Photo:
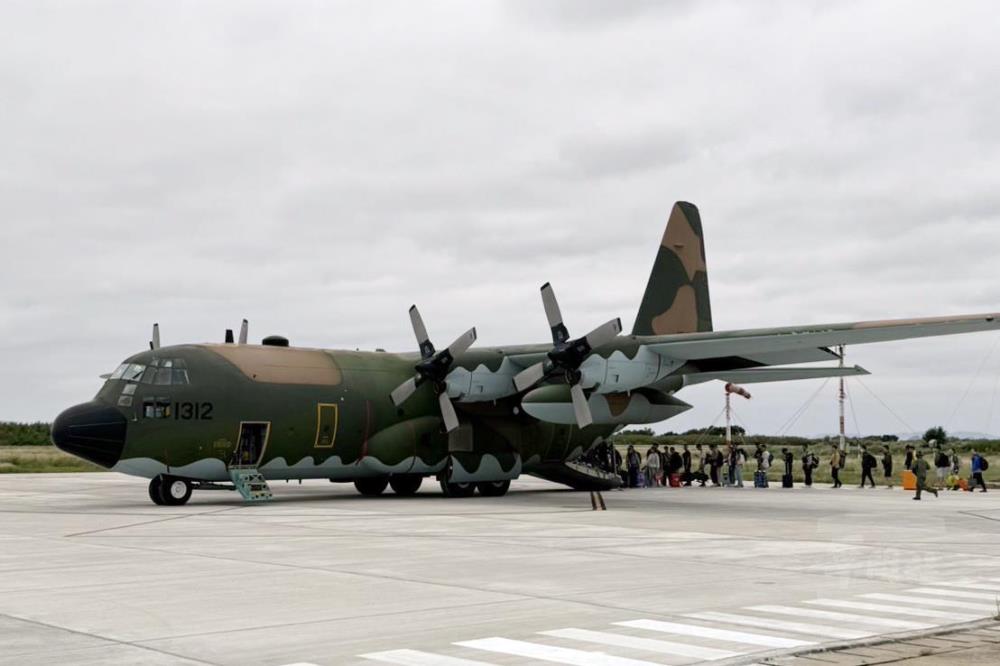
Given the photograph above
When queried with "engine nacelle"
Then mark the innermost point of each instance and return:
(619, 373)
(482, 384)
(553, 404)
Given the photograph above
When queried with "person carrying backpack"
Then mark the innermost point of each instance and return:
(809, 463)
(979, 465)
(942, 464)
(868, 463)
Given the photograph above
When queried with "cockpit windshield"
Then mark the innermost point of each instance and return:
(159, 372)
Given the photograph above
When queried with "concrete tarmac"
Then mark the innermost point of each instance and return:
(91, 572)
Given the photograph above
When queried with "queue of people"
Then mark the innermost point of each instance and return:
(724, 466)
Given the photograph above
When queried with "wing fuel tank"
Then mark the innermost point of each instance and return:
(554, 404)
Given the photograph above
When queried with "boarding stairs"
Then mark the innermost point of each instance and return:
(250, 483)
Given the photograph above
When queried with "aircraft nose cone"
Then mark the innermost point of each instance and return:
(91, 431)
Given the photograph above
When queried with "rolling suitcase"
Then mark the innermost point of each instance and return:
(786, 481)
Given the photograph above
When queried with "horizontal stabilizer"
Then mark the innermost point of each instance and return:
(760, 375)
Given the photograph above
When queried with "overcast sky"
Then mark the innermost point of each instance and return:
(318, 167)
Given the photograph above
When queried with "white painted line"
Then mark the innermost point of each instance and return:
(926, 601)
(418, 658)
(781, 625)
(558, 655)
(841, 617)
(644, 644)
(711, 632)
(880, 562)
(898, 610)
(958, 594)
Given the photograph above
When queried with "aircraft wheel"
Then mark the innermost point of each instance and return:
(154, 491)
(493, 488)
(406, 485)
(174, 491)
(371, 486)
(457, 489)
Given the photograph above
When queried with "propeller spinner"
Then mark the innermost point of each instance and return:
(567, 356)
(433, 367)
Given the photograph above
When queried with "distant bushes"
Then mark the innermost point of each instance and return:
(24, 434)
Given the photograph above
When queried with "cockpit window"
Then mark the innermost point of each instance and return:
(133, 372)
(160, 372)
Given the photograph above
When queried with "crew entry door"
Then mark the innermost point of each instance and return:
(251, 443)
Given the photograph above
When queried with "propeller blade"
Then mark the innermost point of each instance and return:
(155, 342)
(244, 331)
(580, 407)
(420, 331)
(530, 376)
(553, 315)
(604, 333)
(448, 412)
(462, 343)
(401, 393)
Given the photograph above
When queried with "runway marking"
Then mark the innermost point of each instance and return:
(925, 601)
(962, 594)
(781, 625)
(418, 658)
(879, 560)
(645, 644)
(841, 617)
(711, 632)
(899, 610)
(558, 655)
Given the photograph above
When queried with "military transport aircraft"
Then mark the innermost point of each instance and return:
(235, 415)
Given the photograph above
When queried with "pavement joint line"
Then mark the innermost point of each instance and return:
(147, 522)
(107, 639)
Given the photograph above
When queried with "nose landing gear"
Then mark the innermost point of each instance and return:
(169, 490)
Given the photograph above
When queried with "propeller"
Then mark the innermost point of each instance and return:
(566, 356)
(154, 343)
(433, 367)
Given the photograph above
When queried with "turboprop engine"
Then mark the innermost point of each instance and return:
(554, 404)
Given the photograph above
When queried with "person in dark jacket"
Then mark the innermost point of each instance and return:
(979, 464)
(887, 466)
(809, 463)
(908, 458)
(789, 460)
(686, 463)
(714, 463)
(868, 463)
(836, 461)
(633, 461)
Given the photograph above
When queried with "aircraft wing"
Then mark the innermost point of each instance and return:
(760, 345)
(760, 375)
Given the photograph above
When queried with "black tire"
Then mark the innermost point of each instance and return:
(174, 491)
(371, 486)
(154, 491)
(457, 489)
(406, 485)
(493, 488)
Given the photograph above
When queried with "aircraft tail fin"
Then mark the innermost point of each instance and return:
(676, 298)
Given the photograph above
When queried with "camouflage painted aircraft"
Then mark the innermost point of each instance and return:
(235, 415)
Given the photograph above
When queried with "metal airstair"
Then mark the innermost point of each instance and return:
(250, 483)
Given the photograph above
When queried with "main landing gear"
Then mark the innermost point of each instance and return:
(169, 490)
(403, 485)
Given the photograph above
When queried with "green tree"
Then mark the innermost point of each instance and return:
(936, 433)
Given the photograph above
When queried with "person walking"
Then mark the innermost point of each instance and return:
(887, 466)
(835, 462)
(868, 463)
(979, 465)
(920, 469)
(809, 463)
(908, 458)
(653, 466)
